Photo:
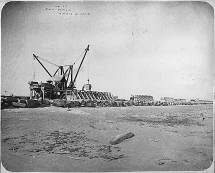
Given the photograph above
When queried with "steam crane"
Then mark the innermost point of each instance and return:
(57, 85)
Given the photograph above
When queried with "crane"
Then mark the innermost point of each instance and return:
(60, 83)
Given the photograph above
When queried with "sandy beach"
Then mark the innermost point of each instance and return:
(168, 138)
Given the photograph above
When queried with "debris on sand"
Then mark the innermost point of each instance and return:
(17, 104)
(155, 140)
(59, 103)
(73, 158)
(169, 120)
(120, 138)
(162, 161)
(60, 142)
(32, 103)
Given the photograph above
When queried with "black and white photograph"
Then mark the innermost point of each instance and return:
(107, 86)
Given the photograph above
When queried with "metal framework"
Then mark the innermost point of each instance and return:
(59, 87)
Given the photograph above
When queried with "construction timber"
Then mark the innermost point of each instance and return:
(142, 100)
(87, 95)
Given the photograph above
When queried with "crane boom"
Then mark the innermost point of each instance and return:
(42, 65)
(81, 64)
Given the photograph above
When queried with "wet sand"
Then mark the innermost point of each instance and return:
(172, 138)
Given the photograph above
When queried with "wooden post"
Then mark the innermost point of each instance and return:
(43, 92)
(31, 93)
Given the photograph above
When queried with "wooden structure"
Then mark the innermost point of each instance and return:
(142, 100)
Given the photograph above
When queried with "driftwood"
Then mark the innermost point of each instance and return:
(120, 138)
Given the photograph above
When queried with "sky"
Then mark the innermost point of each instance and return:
(162, 49)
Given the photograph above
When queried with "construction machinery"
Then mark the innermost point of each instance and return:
(62, 86)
